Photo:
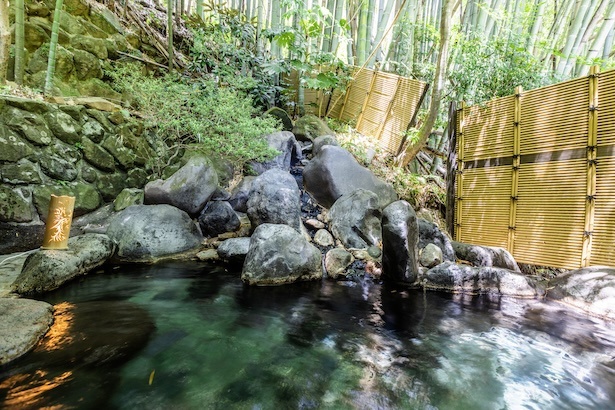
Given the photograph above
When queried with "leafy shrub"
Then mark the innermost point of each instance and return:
(198, 114)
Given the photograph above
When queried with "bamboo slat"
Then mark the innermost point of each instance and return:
(606, 106)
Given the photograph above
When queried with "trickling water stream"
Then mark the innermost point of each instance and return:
(191, 336)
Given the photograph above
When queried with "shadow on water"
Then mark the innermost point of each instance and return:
(191, 336)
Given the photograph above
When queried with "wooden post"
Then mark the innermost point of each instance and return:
(516, 163)
(451, 168)
(366, 100)
(348, 90)
(460, 165)
(592, 142)
(388, 111)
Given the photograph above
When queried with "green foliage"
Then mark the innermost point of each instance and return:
(225, 49)
(493, 67)
(198, 114)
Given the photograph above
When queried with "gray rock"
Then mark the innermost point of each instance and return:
(323, 141)
(188, 189)
(64, 127)
(24, 322)
(241, 193)
(335, 172)
(451, 277)
(310, 127)
(93, 222)
(355, 219)
(22, 172)
(400, 238)
(111, 185)
(97, 156)
(12, 147)
(218, 217)
(46, 270)
(275, 199)
(124, 156)
(58, 167)
(589, 289)
(430, 233)
(485, 256)
(290, 153)
(32, 126)
(128, 197)
(279, 254)
(234, 250)
(280, 114)
(431, 256)
(322, 237)
(93, 130)
(148, 232)
(208, 255)
(336, 262)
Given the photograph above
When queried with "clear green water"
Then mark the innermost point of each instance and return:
(191, 336)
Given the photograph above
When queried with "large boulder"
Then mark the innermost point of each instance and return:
(430, 233)
(335, 172)
(150, 232)
(275, 199)
(323, 141)
(355, 219)
(279, 254)
(46, 270)
(188, 189)
(451, 277)
(218, 217)
(309, 127)
(24, 322)
(589, 289)
(400, 240)
(289, 152)
(485, 256)
(241, 193)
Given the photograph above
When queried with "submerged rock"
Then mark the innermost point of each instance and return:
(335, 172)
(589, 289)
(485, 256)
(279, 254)
(451, 277)
(148, 232)
(46, 270)
(400, 239)
(24, 322)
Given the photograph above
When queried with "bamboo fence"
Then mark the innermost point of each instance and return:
(536, 173)
(383, 105)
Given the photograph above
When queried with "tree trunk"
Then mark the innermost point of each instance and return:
(259, 27)
(53, 44)
(362, 38)
(199, 8)
(170, 32)
(437, 89)
(5, 40)
(19, 41)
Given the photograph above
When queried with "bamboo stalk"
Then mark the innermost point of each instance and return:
(592, 140)
(460, 158)
(515, 170)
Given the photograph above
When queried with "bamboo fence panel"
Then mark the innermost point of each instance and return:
(382, 104)
(540, 166)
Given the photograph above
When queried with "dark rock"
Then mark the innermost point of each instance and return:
(93, 130)
(590, 289)
(128, 197)
(400, 239)
(336, 262)
(93, 222)
(355, 219)
(97, 156)
(275, 199)
(19, 237)
(430, 233)
(323, 141)
(188, 189)
(28, 104)
(110, 185)
(485, 256)
(137, 178)
(451, 277)
(280, 114)
(124, 156)
(46, 270)
(76, 112)
(24, 322)
(32, 126)
(286, 144)
(148, 232)
(234, 250)
(218, 217)
(12, 147)
(309, 127)
(14, 206)
(58, 168)
(241, 193)
(334, 172)
(279, 254)
(64, 127)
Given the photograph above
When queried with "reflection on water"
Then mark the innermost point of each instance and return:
(190, 336)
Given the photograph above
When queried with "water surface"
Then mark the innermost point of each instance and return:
(191, 336)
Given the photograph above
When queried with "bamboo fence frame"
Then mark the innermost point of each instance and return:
(536, 173)
(382, 104)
